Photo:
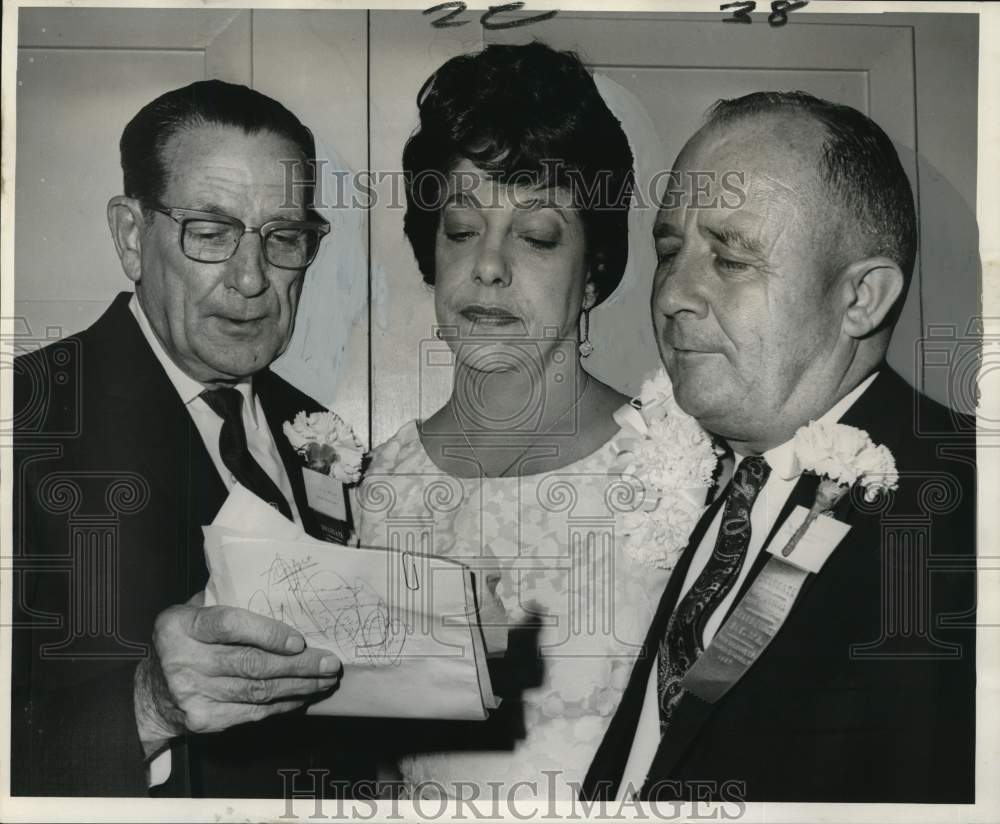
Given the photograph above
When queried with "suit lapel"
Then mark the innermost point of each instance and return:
(885, 410)
(605, 773)
(138, 393)
(876, 406)
(802, 494)
(870, 412)
(131, 372)
(277, 410)
(691, 713)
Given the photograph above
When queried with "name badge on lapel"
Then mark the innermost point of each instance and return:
(760, 614)
(325, 494)
(333, 456)
(327, 498)
(814, 547)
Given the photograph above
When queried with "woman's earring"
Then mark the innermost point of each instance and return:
(586, 347)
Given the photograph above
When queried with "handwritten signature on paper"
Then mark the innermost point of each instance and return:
(327, 609)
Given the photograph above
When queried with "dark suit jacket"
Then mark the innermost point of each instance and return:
(867, 693)
(112, 487)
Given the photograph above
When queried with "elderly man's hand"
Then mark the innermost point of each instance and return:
(215, 667)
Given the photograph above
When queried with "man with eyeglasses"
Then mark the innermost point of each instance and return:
(177, 402)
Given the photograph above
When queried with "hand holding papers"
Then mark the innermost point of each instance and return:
(404, 625)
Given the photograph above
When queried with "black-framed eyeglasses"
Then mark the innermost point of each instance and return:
(208, 237)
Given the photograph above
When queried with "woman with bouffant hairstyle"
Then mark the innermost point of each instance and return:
(518, 184)
(521, 112)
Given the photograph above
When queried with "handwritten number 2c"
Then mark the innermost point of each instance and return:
(446, 21)
(456, 8)
(513, 24)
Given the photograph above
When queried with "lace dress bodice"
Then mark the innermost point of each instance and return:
(548, 546)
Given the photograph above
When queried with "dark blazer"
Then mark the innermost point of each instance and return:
(112, 487)
(867, 693)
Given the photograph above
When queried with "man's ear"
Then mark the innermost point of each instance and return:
(872, 287)
(595, 270)
(127, 223)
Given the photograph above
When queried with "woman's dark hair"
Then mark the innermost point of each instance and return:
(204, 103)
(522, 112)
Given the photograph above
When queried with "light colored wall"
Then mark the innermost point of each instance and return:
(82, 75)
(900, 68)
(315, 63)
(946, 70)
(321, 65)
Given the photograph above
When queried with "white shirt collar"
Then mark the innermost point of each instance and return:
(187, 387)
(781, 458)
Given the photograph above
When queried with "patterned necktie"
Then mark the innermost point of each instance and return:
(228, 405)
(681, 645)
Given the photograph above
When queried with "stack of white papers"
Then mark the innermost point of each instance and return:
(403, 624)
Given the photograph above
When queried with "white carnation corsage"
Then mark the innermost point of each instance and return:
(673, 459)
(328, 445)
(842, 456)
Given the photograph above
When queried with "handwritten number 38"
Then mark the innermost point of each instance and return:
(778, 16)
(456, 8)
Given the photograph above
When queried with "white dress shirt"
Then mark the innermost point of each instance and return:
(260, 442)
(766, 508)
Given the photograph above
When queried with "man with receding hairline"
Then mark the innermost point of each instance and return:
(156, 692)
(768, 316)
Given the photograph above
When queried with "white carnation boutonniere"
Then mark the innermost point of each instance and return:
(328, 445)
(673, 459)
(842, 456)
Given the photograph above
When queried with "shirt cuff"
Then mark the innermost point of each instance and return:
(158, 768)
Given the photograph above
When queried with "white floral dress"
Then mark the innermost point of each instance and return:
(549, 546)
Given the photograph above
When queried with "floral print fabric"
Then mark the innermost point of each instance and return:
(547, 550)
